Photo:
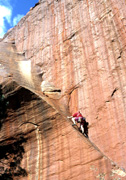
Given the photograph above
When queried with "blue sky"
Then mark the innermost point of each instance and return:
(11, 11)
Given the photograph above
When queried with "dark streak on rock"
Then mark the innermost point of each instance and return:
(70, 37)
(114, 92)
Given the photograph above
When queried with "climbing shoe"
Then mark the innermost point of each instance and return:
(85, 135)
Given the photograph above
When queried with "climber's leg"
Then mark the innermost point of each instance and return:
(74, 123)
(82, 128)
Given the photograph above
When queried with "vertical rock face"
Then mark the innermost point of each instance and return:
(79, 47)
(38, 143)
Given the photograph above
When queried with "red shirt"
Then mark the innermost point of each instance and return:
(77, 114)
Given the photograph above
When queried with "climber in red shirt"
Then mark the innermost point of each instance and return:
(77, 114)
(77, 117)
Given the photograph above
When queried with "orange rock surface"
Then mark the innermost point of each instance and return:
(79, 47)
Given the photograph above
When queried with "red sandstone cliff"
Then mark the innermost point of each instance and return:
(79, 47)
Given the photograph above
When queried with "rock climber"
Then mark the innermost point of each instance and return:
(77, 117)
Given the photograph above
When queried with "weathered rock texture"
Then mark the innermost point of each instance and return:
(38, 143)
(79, 47)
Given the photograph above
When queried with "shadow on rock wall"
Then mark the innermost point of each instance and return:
(11, 154)
(3, 107)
